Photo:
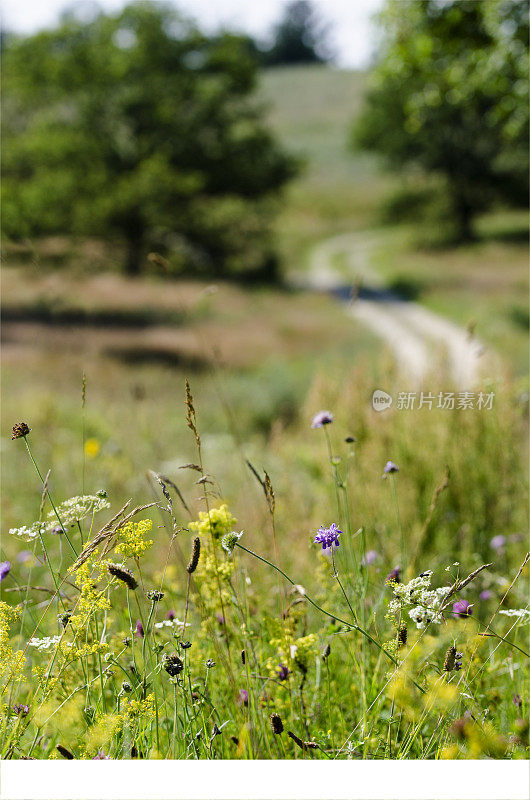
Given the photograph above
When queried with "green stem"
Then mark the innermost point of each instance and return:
(329, 614)
(49, 495)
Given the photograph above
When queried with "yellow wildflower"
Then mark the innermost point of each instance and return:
(133, 543)
(219, 521)
(92, 448)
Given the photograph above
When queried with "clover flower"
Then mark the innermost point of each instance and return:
(394, 576)
(229, 541)
(498, 542)
(243, 697)
(5, 567)
(390, 467)
(461, 608)
(369, 558)
(328, 537)
(283, 672)
(321, 419)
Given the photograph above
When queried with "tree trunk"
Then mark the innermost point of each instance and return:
(464, 218)
(134, 243)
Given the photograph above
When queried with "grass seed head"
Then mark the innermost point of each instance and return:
(195, 555)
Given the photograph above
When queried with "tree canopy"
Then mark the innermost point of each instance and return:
(450, 95)
(300, 37)
(138, 126)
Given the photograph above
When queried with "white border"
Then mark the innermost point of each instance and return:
(264, 780)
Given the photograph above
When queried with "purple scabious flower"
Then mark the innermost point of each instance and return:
(243, 697)
(101, 756)
(328, 537)
(139, 629)
(21, 710)
(369, 558)
(498, 542)
(486, 595)
(5, 566)
(390, 467)
(394, 575)
(462, 609)
(321, 419)
(283, 672)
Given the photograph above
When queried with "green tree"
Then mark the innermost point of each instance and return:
(137, 126)
(450, 94)
(300, 37)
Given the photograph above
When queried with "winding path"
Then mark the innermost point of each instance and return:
(423, 342)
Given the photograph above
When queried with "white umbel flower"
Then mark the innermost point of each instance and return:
(44, 644)
(77, 508)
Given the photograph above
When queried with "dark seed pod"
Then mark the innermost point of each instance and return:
(296, 739)
(402, 636)
(195, 554)
(235, 740)
(276, 723)
(123, 574)
(326, 651)
(173, 665)
(450, 659)
(19, 430)
(64, 752)
(243, 657)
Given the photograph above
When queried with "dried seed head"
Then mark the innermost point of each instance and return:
(64, 618)
(19, 430)
(126, 687)
(450, 659)
(195, 554)
(296, 739)
(402, 636)
(123, 574)
(154, 595)
(276, 724)
(326, 651)
(64, 752)
(173, 665)
(243, 657)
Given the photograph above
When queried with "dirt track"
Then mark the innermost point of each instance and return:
(423, 342)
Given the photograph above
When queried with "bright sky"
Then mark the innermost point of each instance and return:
(351, 31)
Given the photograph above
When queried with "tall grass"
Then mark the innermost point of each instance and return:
(268, 646)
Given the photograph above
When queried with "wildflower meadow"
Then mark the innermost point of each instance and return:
(343, 605)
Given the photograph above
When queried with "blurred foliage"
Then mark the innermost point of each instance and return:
(300, 37)
(450, 95)
(136, 125)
